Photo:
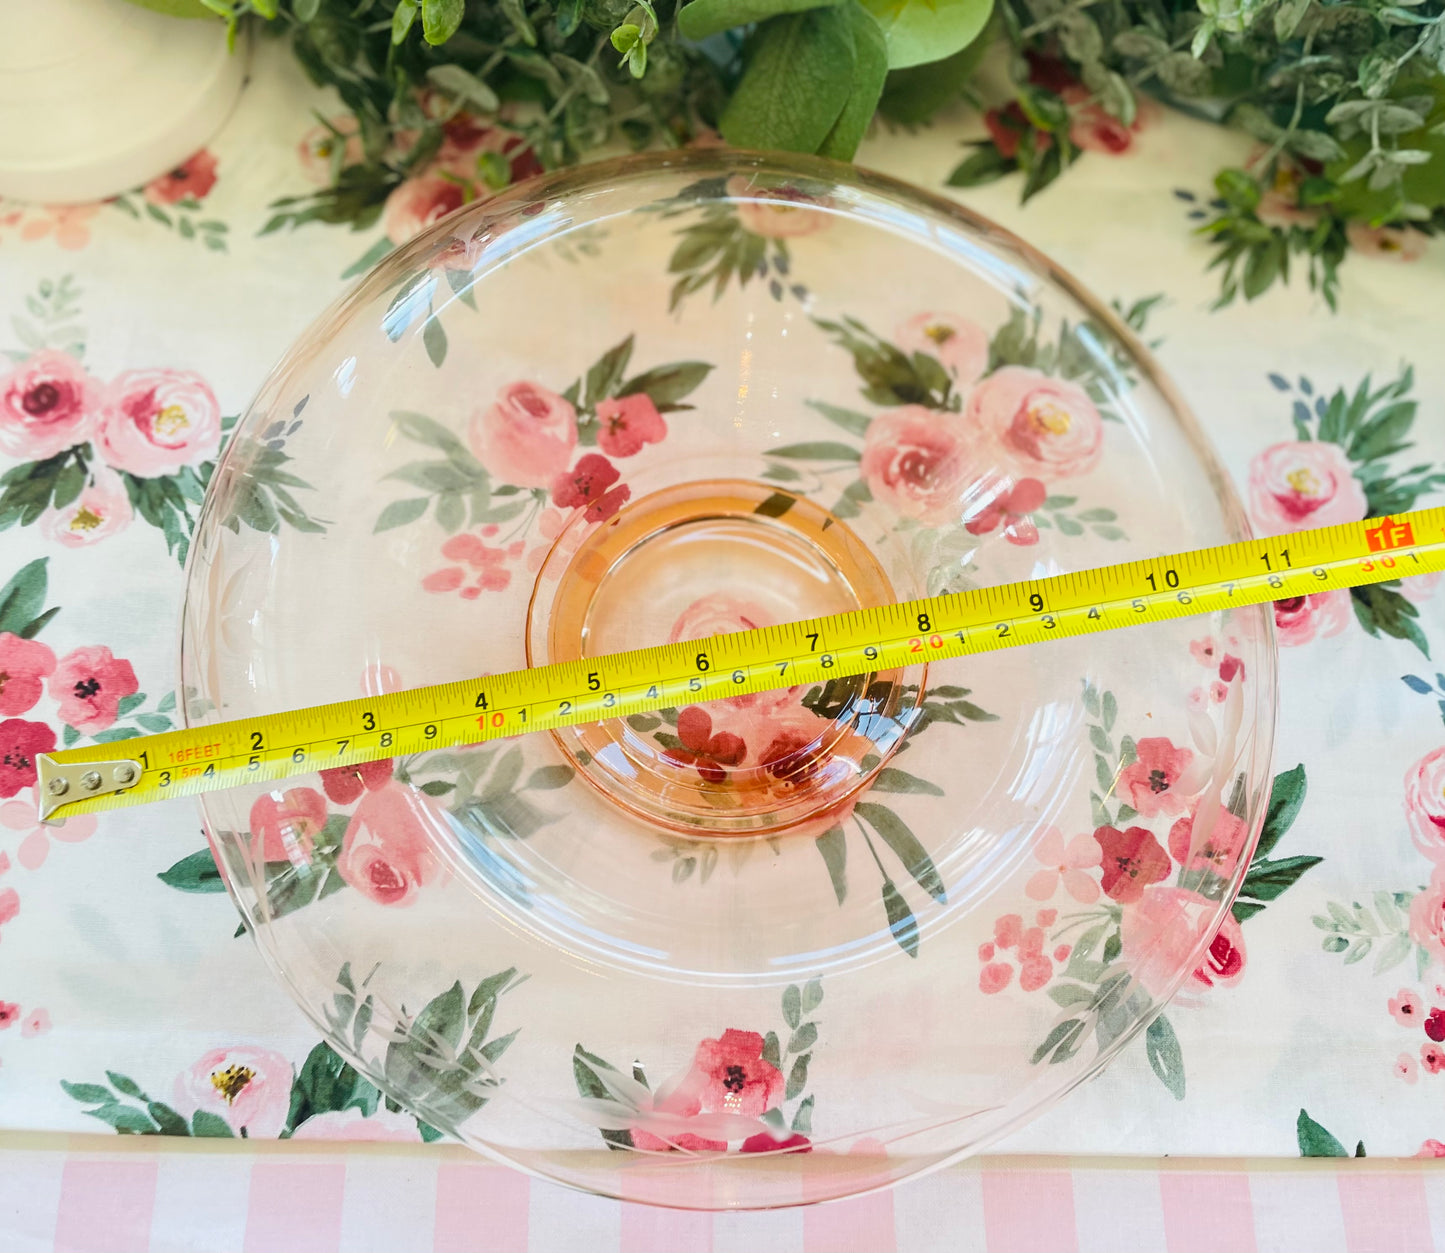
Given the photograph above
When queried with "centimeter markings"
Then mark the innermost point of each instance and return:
(277, 746)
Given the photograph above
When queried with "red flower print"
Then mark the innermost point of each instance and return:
(607, 505)
(153, 422)
(23, 666)
(90, 683)
(1008, 930)
(385, 853)
(527, 437)
(1007, 126)
(626, 423)
(9, 1014)
(1407, 1009)
(764, 1143)
(1218, 851)
(701, 748)
(1013, 510)
(1432, 1058)
(1132, 860)
(737, 1079)
(344, 784)
(47, 404)
(995, 977)
(1223, 962)
(1147, 785)
(488, 572)
(585, 482)
(1432, 1148)
(193, 178)
(1230, 668)
(1435, 1025)
(1406, 1069)
(286, 822)
(19, 743)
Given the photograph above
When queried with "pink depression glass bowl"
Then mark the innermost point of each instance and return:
(774, 949)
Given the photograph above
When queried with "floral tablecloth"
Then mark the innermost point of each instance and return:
(135, 330)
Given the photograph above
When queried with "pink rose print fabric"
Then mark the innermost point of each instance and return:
(47, 404)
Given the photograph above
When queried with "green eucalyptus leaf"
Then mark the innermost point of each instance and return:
(797, 80)
(919, 31)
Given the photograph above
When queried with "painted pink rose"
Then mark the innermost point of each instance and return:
(777, 212)
(192, 179)
(626, 423)
(721, 614)
(35, 846)
(1425, 804)
(960, 344)
(1427, 917)
(1131, 860)
(1217, 851)
(319, 146)
(385, 853)
(1068, 864)
(48, 403)
(527, 436)
(20, 743)
(1044, 427)
(1151, 784)
(1304, 483)
(247, 1087)
(352, 1124)
(736, 1078)
(1160, 932)
(1391, 242)
(90, 683)
(1223, 964)
(101, 510)
(156, 421)
(418, 202)
(1407, 1008)
(286, 823)
(1299, 619)
(24, 667)
(916, 462)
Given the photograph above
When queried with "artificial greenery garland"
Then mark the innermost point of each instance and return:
(1345, 97)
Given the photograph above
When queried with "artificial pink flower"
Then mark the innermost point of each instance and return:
(527, 436)
(916, 462)
(1149, 784)
(1067, 864)
(776, 212)
(1219, 851)
(1012, 507)
(1132, 860)
(192, 179)
(1425, 804)
(37, 1022)
(247, 1087)
(35, 847)
(352, 1124)
(101, 510)
(24, 666)
(9, 1014)
(1160, 932)
(960, 344)
(90, 683)
(416, 203)
(385, 853)
(1224, 959)
(1299, 619)
(736, 1078)
(1044, 427)
(286, 824)
(1406, 1069)
(1304, 483)
(344, 784)
(1392, 242)
(20, 743)
(1406, 1008)
(154, 422)
(48, 403)
(626, 423)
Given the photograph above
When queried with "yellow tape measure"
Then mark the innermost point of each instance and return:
(276, 746)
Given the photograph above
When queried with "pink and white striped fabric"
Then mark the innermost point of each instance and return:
(83, 1194)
